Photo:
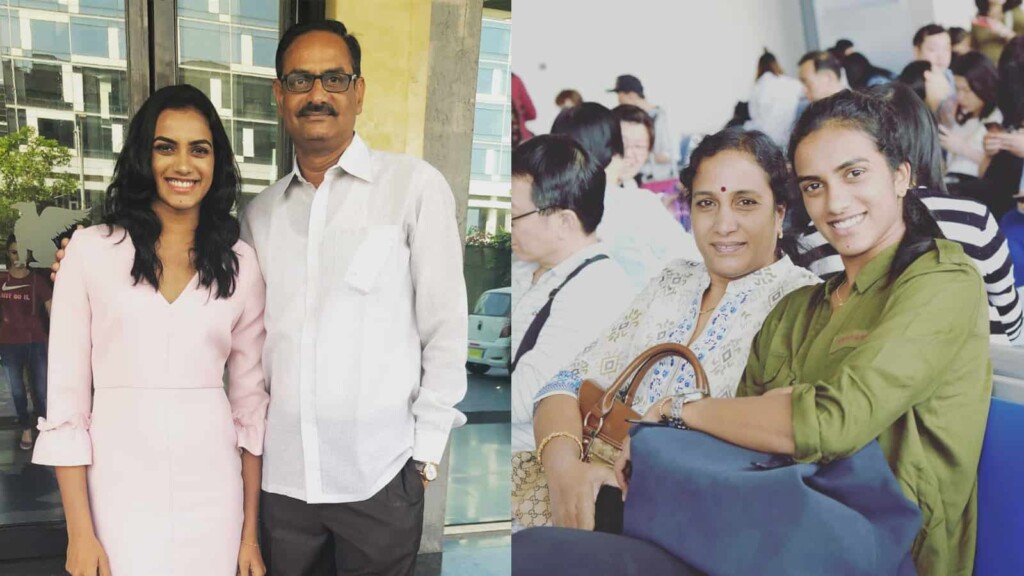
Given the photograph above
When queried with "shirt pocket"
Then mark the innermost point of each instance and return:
(848, 341)
(777, 371)
(375, 253)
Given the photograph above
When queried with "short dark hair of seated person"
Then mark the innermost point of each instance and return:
(562, 176)
(823, 61)
(926, 31)
(595, 128)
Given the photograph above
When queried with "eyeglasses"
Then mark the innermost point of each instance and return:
(331, 81)
(531, 212)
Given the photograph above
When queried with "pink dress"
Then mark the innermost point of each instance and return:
(137, 394)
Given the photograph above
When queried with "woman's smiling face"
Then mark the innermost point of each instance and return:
(736, 222)
(854, 198)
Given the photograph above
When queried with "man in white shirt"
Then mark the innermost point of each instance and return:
(565, 288)
(366, 322)
(637, 229)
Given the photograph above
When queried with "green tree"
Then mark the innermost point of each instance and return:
(28, 173)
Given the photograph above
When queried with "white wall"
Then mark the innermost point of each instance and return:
(695, 59)
(951, 13)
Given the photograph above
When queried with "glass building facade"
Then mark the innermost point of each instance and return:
(64, 69)
(226, 49)
(490, 177)
(65, 73)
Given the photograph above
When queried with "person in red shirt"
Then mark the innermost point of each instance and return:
(24, 308)
(523, 106)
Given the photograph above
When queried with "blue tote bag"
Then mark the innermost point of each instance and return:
(727, 510)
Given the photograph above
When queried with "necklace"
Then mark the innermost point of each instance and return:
(708, 310)
(836, 292)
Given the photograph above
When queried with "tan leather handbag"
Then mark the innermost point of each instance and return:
(604, 430)
(605, 416)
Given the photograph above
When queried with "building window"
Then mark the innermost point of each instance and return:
(204, 44)
(104, 91)
(254, 98)
(38, 84)
(98, 38)
(489, 121)
(49, 39)
(495, 38)
(63, 131)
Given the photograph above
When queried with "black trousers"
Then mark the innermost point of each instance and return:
(379, 536)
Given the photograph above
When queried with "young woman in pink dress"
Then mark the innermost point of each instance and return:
(158, 463)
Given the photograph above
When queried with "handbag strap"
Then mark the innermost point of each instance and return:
(533, 332)
(643, 364)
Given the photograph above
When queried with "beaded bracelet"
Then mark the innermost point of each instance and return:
(552, 436)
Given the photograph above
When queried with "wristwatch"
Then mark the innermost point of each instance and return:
(428, 470)
(675, 417)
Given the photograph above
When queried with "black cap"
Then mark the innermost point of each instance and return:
(628, 83)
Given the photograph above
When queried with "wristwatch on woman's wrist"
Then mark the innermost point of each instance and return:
(427, 470)
(675, 412)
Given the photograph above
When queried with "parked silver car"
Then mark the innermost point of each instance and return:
(490, 331)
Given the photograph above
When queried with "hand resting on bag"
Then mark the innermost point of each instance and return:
(573, 488)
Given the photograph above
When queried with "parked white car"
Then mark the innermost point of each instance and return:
(490, 332)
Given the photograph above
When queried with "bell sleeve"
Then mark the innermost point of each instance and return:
(64, 434)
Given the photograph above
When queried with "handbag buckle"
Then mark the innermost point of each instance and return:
(600, 423)
(588, 440)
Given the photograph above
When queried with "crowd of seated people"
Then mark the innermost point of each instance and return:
(882, 210)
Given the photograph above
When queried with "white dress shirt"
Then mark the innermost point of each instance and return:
(366, 321)
(641, 235)
(581, 311)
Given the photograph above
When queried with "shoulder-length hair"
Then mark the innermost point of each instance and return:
(983, 79)
(130, 196)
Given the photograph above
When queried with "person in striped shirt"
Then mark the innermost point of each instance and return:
(965, 221)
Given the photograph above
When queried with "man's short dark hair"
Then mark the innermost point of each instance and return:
(823, 61)
(595, 128)
(926, 31)
(332, 26)
(562, 176)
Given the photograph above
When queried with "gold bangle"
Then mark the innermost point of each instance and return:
(250, 544)
(552, 436)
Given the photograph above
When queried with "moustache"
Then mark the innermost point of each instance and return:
(311, 108)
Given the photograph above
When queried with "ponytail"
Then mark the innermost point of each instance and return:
(919, 238)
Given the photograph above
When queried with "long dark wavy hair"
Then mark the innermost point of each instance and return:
(130, 196)
(877, 120)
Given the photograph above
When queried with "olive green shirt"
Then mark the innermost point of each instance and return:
(907, 363)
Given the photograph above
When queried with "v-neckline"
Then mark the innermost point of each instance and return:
(177, 298)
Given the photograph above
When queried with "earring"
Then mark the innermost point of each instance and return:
(780, 234)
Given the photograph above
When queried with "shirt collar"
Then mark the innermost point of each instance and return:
(355, 161)
(565, 267)
(872, 272)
